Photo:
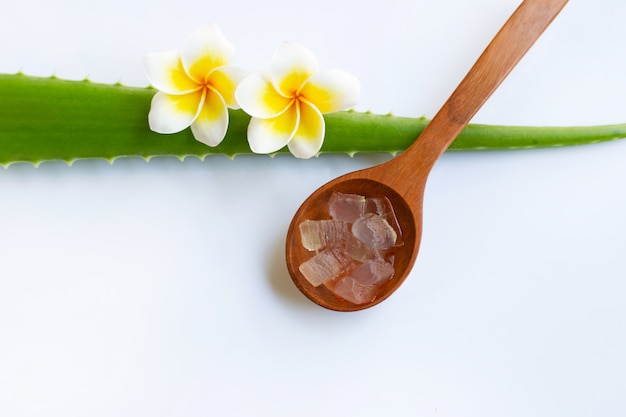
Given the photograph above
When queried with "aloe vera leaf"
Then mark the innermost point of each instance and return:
(45, 119)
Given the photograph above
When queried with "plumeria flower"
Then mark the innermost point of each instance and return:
(287, 102)
(196, 86)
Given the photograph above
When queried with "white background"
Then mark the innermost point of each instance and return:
(160, 289)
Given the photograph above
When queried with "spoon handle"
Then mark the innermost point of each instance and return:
(513, 40)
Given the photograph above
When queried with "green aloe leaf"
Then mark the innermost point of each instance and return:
(45, 119)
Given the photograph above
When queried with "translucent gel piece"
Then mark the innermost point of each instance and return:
(324, 266)
(375, 231)
(352, 290)
(358, 250)
(346, 207)
(318, 234)
(373, 272)
(382, 206)
(378, 205)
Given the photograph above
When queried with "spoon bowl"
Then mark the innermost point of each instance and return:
(403, 179)
(408, 216)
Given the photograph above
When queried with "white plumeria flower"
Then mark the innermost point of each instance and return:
(196, 86)
(287, 102)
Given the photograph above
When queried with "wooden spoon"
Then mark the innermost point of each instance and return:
(403, 179)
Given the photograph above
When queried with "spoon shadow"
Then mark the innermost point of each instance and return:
(279, 278)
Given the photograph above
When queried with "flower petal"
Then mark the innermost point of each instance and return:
(225, 80)
(173, 113)
(166, 73)
(292, 65)
(212, 122)
(270, 135)
(332, 90)
(309, 136)
(257, 97)
(205, 50)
